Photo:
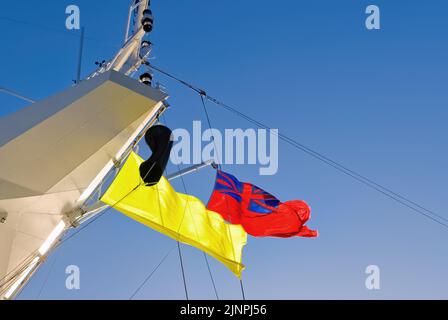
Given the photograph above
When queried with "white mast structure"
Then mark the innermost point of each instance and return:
(56, 154)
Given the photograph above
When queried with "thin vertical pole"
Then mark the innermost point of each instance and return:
(81, 49)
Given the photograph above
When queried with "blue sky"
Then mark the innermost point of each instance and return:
(372, 100)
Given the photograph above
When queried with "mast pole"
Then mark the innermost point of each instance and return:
(81, 49)
(127, 55)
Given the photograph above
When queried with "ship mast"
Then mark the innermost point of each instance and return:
(135, 49)
(126, 61)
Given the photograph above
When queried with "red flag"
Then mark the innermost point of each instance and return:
(260, 213)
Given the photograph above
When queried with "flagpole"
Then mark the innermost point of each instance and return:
(81, 49)
(190, 170)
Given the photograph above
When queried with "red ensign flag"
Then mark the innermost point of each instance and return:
(260, 213)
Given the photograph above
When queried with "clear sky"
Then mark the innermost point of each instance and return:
(375, 101)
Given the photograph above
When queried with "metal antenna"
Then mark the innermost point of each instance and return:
(81, 48)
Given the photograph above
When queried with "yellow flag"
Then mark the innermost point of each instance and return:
(179, 216)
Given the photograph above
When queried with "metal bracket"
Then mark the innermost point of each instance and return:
(74, 216)
(117, 163)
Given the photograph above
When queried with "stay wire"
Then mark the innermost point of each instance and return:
(64, 240)
(183, 270)
(242, 290)
(414, 206)
(21, 268)
(211, 275)
(383, 190)
(178, 243)
(140, 287)
(47, 276)
(205, 255)
(202, 95)
(161, 262)
(67, 33)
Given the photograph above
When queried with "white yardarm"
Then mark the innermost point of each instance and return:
(254, 147)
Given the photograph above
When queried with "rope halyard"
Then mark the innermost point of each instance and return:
(393, 195)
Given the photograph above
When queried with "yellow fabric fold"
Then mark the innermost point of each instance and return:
(179, 216)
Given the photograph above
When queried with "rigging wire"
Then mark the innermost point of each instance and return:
(211, 275)
(62, 241)
(15, 273)
(155, 269)
(210, 128)
(54, 30)
(105, 211)
(360, 178)
(163, 260)
(205, 256)
(183, 271)
(242, 290)
(20, 269)
(412, 205)
(202, 95)
(151, 274)
(47, 276)
(178, 243)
